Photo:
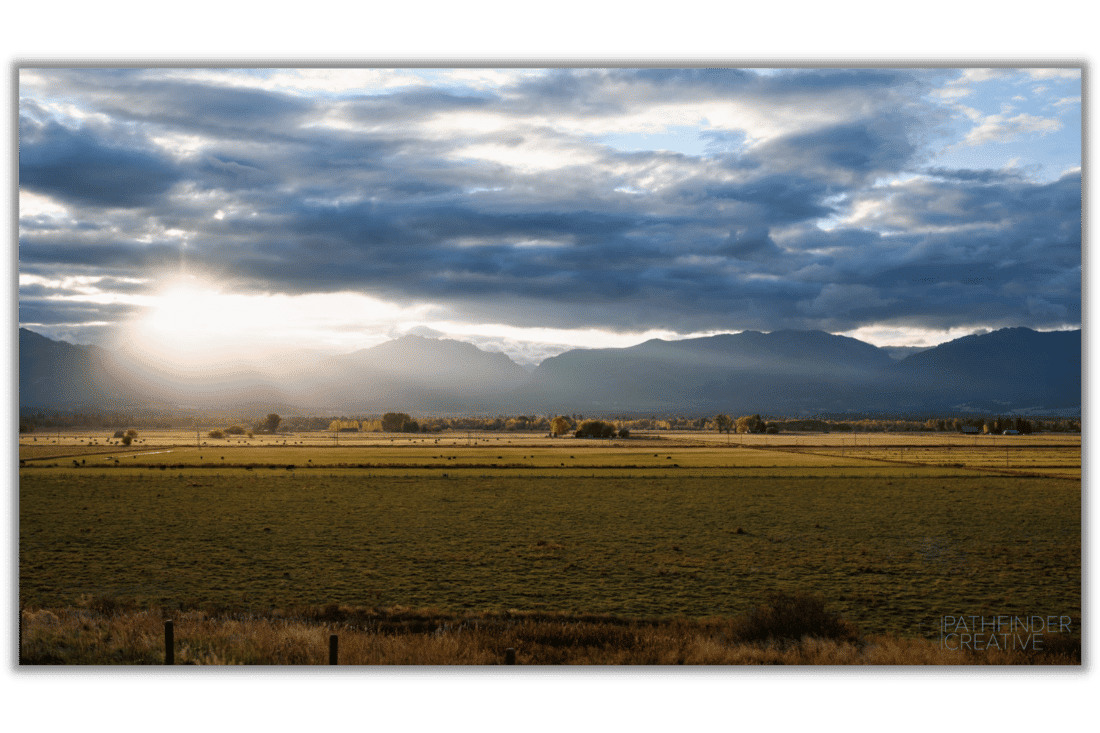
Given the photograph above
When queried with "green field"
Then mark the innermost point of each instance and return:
(894, 538)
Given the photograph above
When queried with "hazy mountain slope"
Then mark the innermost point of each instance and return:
(56, 374)
(808, 372)
(795, 371)
(416, 374)
(410, 374)
(1013, 368)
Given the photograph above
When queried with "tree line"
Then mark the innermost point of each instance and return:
(43, 421)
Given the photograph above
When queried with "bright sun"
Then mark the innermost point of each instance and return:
(192, 324)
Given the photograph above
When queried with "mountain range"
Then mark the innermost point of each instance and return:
(780, 373)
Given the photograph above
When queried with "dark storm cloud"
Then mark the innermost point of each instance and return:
(849, 152)
(224, 172)
(295, 193)
(779, 199)
(407, 105)
(584, 225)
(996, 253)
(55, 312)
(76, 166)
(1053, 208)
(752, 244)
(578, 90)
(427, 251)
(120, 256)
(681, 299)
(672, 79)
(232, 112)
(691, 83)
(46, 223)
(976, 176)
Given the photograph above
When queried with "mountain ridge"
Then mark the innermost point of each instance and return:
(782, 372)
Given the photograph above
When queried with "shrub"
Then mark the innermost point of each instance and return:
(792, 616)
(127, 439)
(120, 434)
(1060, 645)
(596, 429)
(216, 434)
(109, 605)
(235, 430)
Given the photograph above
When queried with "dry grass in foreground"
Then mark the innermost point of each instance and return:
(786, 629)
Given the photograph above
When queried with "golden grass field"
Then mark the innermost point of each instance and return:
(893, 531)
(1044, 455)
(95, 634)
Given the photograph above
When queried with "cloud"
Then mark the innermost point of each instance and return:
(845, 154)
(1001, 128)
(1064, 101)
(778, 198)
(232, 112)
(838, 301)
(752, 244)
(1053, 73)
(1045, 309)
(975, 176)
(223, 172)
(492, 196)
(79, 167)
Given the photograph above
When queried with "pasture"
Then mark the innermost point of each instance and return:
(893, 531)
(527, 454)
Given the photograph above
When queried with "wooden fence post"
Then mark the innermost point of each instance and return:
(333, 648)
(169, 643)
(509, 656)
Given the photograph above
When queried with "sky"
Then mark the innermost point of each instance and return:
(203, 212)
